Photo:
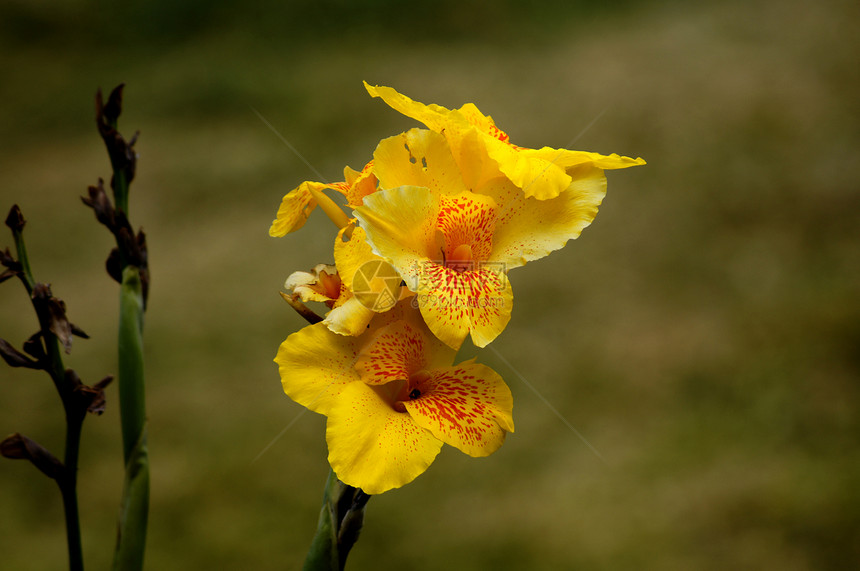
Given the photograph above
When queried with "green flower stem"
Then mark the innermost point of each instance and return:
(340, 521)
(21, 249)
(120, 191)
(131, 538)
(69, 489)
(75, 415)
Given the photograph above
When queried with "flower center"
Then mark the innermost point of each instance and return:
(411, 389)
(461, 259)
(330, 284)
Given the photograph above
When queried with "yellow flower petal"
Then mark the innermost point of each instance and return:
(320, 284)
(298, 204)
(434, 116)
(295, 208)
(467, 219)
(399, 350)
(482, 150)
(566, 159)
(374, 447)
(400, 223)
(394, 353)
(468, 406)
(315, 365)
(455, 304)
(418, 157)
(351, 252)
(349, 318)
(537, 176)
(456, 295)
(528, 229)
(359, 184)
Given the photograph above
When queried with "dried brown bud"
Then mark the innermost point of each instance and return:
(90, 398)
(121, 153)
(113, 265)
(100, 203)
(7, 274)
(34, 347)
(15, 358)
(55, 311)
(15, 219)
(78, 332)
(19, 447)
(114, 104)
(12, 265)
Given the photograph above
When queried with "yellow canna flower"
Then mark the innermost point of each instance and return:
(454, 247)
(392, 398)
(297, 205)
(322, 283)
(484, 151)
(359, 285)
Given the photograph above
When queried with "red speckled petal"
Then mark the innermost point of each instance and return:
(295, 208)
(467, 218)
(395, 352)
(454, 303)
(372, 446)
(468, 406)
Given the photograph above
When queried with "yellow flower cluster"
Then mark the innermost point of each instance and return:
(438, 219)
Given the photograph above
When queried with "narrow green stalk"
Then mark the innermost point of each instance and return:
(131, 538)
(120, 191)
(322, 555)
(67, 482)
(131, 387)
(21, 249)
(339, 524)
(69, 489)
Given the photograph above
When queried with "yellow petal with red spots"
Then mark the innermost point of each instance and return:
(315, 366)
(359, 183)
(371, 445)
(295, 208)
(441, 246)
(297, 205)
(468, 406)
(399, 350)
(467, 219)
(475, 302)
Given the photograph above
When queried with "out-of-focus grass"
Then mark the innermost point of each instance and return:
(702, 334)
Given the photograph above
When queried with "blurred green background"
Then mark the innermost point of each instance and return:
(703, 334)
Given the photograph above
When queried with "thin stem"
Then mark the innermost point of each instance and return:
(120, 190)
(131, 387)
(68, 489)
(75, 415)
(26, 272)
(131, 536)
(340, 521)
